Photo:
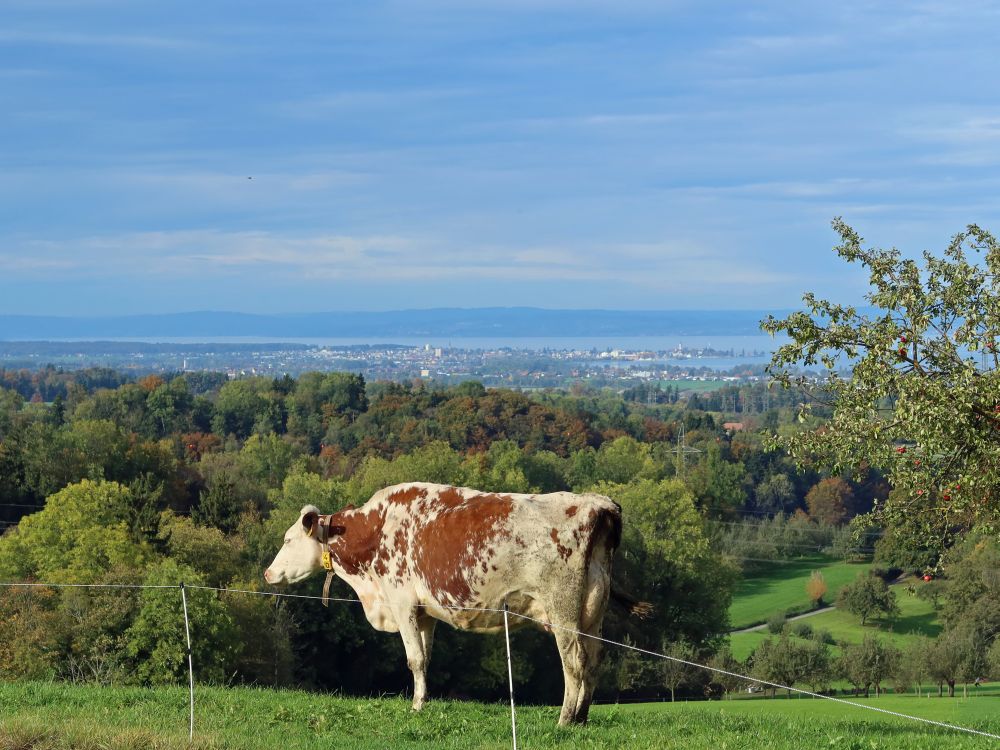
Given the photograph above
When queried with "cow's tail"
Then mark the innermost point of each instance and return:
(631, 605)
(610, 525)
(607, 535)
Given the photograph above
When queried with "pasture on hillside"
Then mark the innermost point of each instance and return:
(917, 618)
(52, 716)
(780, 586)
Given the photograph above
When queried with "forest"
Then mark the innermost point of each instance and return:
(194, 477)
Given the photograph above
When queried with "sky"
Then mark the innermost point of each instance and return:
(630, 154)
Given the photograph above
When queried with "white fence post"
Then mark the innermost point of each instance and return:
(187, 633)
(510, 677)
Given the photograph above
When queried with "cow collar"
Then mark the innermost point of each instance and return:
(324, 529)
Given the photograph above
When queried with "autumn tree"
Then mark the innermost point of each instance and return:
(921, 400)
(816, 588)
(830, 501)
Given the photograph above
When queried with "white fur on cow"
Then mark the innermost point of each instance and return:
(417, 553)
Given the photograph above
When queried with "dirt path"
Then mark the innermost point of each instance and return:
(790, 619)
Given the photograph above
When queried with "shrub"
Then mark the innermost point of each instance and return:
(824, 636)
(776, 623)
(886, 574)
(802, 630)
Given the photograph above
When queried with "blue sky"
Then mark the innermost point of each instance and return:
(558, 153)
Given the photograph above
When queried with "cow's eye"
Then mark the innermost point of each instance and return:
(288, 541)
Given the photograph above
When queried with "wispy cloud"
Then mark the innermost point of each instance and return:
(380, 259)
(94, 39)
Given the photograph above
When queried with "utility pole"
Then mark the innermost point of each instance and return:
(683, 451)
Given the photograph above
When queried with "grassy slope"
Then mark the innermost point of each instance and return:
(916, 618)
(42, 715)
(781, 587)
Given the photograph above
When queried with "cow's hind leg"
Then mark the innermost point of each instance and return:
(594, 606)
(573, 654)
(592, 649)
(416, 657)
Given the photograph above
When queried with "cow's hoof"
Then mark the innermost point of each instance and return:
(417, 706)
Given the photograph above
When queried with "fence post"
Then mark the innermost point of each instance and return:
(187, 634)
(510, 677)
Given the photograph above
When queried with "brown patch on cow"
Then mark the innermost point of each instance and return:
(360, 544)
(564, 552)
(406, 496)
(449, 549)
(571, 511)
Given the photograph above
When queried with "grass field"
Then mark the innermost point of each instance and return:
(44, 716)
(916, 618)
(781, 587)
(696, 386)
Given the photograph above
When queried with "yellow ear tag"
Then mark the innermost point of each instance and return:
(327, 563)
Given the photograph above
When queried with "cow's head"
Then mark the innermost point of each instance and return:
(301, 552)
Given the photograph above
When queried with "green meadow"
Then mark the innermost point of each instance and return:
(781, 587)
(49, 716)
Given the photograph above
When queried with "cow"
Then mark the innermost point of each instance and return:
(418, 553)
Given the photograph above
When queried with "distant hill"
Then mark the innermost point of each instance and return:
(455, 322)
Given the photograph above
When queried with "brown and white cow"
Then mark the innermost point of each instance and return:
(418, 553)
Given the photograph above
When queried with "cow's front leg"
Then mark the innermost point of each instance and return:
(416, 657)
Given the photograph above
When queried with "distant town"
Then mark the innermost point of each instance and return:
(508, 366)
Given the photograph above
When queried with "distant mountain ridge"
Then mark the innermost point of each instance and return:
(456, 322)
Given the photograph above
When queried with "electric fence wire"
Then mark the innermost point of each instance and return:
(551, 626)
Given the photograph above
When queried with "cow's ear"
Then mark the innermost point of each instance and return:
(309, 520)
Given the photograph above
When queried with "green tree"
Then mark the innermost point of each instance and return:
(993, 659)
(920, 403)
(776, 494)
(818, 669)
(945, 659)
(932, 591)
(783, 662)
(156, 639)
(624, 459)
(665, 555)
(866, 596)
(972, 595)
(674, 671)
(868, 664)
(214, 555)
(11, 403)
(82, 532)
(32, 635)
(729, 678)
(912, 668)
(266, 459)
(720, 485)
(239, 405)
